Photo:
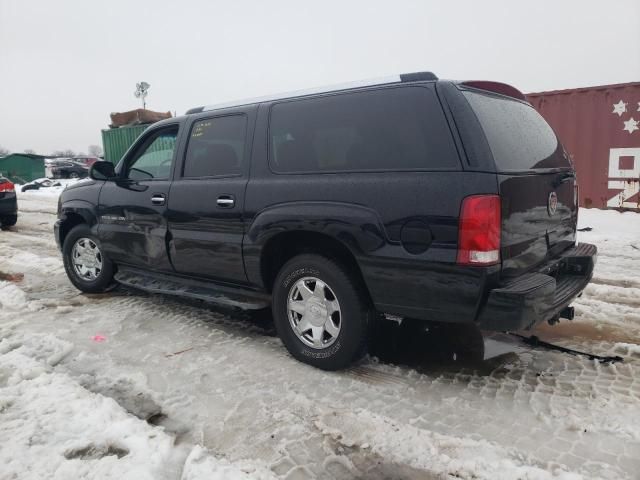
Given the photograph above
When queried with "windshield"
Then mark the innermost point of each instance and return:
(519, 138)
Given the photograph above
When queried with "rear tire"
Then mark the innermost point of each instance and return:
(8, 221)
(334, 297)
(96, 274)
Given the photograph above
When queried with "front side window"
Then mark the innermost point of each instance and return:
(154, 159)
(378, 130)
(216, 147)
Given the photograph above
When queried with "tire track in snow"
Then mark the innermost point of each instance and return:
(616, 282)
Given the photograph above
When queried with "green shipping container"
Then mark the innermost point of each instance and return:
(22, 168)
(116, 141)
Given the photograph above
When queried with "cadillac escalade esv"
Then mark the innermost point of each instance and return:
(412, 197)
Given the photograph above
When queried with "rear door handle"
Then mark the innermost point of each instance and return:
(226, 201)
(158, 199)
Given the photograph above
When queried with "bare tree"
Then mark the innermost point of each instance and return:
(29, 151)
(64, 153)
(4, 152)
(95, 150)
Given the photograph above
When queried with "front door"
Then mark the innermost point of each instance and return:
(206, 201)
(132, 209)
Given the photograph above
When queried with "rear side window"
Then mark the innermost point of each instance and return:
(519, 138)
(216, 147)
(387, 129)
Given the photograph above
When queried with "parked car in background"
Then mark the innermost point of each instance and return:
(418, 198)
(8, 203)
(68, 168)
(38, 184)
(86, 161)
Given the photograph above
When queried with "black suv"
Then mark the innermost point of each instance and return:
(414, 198)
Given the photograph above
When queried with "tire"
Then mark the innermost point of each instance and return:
(74, 175)
(8, 221)
(353, 315)
(103, 279)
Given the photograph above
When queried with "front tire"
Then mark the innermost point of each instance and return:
(321, 312)
(84, 261)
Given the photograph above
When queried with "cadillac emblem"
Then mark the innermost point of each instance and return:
(552, 203)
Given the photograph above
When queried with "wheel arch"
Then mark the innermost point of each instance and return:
(73, 215)
(282, 247)
(344, 231)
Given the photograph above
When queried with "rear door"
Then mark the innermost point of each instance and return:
(536, 181)
(131, 209)
(207, 197)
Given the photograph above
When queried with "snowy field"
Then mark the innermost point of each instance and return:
(133, 386)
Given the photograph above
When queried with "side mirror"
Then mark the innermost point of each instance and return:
(102, 171)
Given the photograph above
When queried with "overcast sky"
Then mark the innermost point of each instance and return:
(65, 65)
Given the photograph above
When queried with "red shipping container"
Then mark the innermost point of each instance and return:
(600, 128)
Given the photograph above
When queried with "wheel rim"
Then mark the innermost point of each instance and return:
(87, 259)
(314, 312)
(73, 175)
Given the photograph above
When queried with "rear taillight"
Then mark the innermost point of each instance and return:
(7, 187)
(479, 230)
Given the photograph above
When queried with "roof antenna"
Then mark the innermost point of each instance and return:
(142, 89)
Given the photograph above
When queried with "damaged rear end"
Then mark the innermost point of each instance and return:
(542, 269)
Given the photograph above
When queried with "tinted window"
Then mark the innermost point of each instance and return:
(216, 147)
(386, 129)
(519, 138)
(155, 157)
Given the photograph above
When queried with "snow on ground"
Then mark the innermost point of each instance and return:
(144, 386)
(44, 200)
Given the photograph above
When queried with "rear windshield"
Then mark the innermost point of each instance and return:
(519, 138)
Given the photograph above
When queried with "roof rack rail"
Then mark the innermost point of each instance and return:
(403, 78)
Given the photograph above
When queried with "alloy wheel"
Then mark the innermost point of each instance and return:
(314, 312)
(87, 259)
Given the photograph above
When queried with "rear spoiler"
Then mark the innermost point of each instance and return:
(496, 87)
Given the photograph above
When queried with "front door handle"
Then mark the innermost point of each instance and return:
(226, 201)
(158, 199)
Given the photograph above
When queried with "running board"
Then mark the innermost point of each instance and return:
(185, 287)
(534, 341)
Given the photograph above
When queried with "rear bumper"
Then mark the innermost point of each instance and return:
(8, 205)
(540, 296)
